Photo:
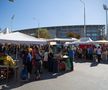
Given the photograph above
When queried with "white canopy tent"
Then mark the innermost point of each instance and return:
(62, 39)
(101, 42)
(84, 40)
(20, 38)
(53, 43)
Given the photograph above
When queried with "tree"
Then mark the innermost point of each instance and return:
(42, 33)
(70, 34)
(74, 35)
(78, 36)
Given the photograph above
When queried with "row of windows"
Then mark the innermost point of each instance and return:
(93, 34)
(61, 31)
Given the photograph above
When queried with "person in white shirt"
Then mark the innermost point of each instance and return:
(45, 60)
(99, 52)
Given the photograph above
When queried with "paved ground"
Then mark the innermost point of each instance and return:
(86, 76)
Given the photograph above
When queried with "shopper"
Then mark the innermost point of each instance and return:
(71, 54)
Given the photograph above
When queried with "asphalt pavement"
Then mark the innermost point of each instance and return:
(86, 76)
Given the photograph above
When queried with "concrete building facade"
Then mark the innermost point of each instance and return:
(95, 32)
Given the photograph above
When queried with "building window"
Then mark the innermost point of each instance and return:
(94, 34)
(93, 31)
(88, 35)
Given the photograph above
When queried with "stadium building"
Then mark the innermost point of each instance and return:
(95, 32)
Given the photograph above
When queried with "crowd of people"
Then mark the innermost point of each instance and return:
(93, 53)
(35, 58)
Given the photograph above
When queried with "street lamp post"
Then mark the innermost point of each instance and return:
(106, 9)
(38, 26)
(84, 18)
(11, 23)
(38, 29)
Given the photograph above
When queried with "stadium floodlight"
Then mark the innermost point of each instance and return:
(106, 29)
(84, 18)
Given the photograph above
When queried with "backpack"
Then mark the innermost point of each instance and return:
(24, 74)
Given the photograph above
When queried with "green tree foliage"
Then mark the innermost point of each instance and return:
(42, 33)
(73, 35)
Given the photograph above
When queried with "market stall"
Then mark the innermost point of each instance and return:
(20, 38)
(85, 40)
(16, 38)
(62, 40)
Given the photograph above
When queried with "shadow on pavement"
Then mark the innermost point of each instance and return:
(80, 61)
(93, 64)
(12, 84)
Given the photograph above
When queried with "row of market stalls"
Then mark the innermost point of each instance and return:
(18, 38)
(21, 38)
(87, 40)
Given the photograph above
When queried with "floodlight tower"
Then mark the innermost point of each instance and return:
(106, 28)
(84, 18)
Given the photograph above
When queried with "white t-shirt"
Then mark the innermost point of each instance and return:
(99, 51)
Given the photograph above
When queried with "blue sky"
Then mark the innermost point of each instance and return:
(50, 13)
